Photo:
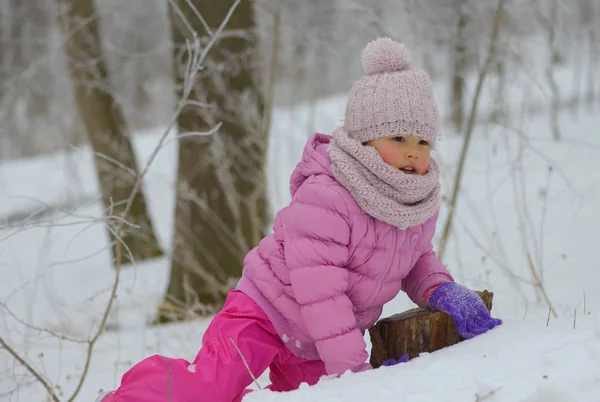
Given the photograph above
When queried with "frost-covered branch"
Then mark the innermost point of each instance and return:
(196, 60)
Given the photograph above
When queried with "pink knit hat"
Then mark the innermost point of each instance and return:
(393, 98)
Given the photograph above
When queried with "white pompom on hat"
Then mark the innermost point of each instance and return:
(385, 56)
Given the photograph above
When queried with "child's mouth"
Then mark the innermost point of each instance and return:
(408, 170)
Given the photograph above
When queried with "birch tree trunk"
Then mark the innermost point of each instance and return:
(106, 128)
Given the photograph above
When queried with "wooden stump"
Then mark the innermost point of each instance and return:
(415, 331)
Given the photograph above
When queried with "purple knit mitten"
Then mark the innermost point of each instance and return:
(391, 362)
(468, 311)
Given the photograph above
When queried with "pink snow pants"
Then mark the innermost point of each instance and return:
(218, 373)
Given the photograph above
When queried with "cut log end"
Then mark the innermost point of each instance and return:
(415, 331)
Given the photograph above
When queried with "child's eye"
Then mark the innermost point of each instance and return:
(424, 142)
(398, 139)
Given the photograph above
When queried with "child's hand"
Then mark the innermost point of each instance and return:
(468, 311)
(391, 362)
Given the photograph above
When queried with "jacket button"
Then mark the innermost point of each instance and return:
(414, 239)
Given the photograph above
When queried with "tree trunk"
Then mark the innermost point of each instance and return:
(459, 61)
(499, 112)
(552, 60)
(414, 332)
(221, 208)
(592, 66)
(16, 31)
(105, 125)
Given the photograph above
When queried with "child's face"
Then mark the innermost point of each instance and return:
(409, 153)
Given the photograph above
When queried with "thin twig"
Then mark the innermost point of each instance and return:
(201, 18)
(116, 163)
(31, 370)
(45, 330)
(486, 396)
(542, 224)
(471, 124)
(194, 134)
(539, 285)
(529, 140)
(182, 16)
(245, 363)
(138, 184)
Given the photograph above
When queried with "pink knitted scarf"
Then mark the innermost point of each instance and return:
(381, 190)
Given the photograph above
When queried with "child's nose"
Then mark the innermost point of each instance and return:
(411, 154)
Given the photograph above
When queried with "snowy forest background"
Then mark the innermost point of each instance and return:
(145, 146)
(319, 43)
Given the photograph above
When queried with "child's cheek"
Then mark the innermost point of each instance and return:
(423, 164)
(390, 156)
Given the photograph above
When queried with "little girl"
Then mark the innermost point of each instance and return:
(358, 230)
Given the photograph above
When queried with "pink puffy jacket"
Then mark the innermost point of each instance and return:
(324, 274)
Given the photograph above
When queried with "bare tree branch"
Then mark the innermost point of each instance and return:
(192, 71)
(30, 369)
(193, 68)
(470, 128)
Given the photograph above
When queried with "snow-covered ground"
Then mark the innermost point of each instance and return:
(522, 193)
(520, 361)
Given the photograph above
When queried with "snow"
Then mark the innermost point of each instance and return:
(56, 274)
(522, 360)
